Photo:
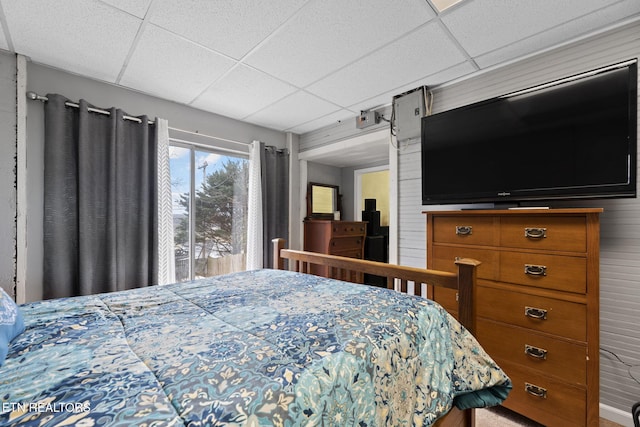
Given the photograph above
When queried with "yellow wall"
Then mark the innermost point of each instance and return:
(375, 185)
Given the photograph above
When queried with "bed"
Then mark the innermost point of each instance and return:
(264, 347)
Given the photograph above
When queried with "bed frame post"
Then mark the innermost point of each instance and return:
(278, 261)
(467, 292)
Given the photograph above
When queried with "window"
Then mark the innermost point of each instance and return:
(210, 228)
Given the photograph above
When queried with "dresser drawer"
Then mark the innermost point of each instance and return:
(563, 273)
(550, 315)
(562, 359)
(345, 243)
(346, 228)
(548, 233)
(543, 398)
(444, 257)
(467, 230)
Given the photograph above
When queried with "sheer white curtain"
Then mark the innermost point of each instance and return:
(166, 253)
(254, 226)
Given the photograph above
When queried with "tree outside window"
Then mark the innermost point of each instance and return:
(219, 220)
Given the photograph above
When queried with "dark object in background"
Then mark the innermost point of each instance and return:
(376, 245)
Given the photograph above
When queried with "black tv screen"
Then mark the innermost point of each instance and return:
(572, 138)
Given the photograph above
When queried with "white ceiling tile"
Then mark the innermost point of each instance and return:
(84, 37)
(451, 73)
(386, 98)
(241, 92)
(568, 31)
(329, 34)
(302, 64)
(230, 27)
(485, 25)
(417, 55)
(292, 111)
(135, 7)
(329, 119)
(171, 67)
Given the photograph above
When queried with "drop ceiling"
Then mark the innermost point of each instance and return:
(291, 65)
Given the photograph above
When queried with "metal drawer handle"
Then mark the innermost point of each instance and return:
(536, 391)
(535, 270)
(535, 313)
(464, 230)
(535, 233)
(535, 352)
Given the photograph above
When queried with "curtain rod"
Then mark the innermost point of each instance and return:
(35, 97)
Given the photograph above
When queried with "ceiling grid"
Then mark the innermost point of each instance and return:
(292, 65)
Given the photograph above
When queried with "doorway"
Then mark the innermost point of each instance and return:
(372, 183)
(372, 205)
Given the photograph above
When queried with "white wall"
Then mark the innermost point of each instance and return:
(43, 80)
(7, 171)
(620, 223)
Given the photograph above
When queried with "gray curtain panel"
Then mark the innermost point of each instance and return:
(100, 210)
(275, 198)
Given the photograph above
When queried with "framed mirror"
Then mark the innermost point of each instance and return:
(322, 201)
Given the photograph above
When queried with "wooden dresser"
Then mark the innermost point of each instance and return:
(344, 238)
(537, 302)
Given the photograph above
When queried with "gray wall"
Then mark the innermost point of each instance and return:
(7, 172)
(323, 174)
(620, 223)
(43, 80)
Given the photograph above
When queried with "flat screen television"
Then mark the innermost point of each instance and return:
(573, 138)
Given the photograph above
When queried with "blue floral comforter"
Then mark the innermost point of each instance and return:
(255, 348)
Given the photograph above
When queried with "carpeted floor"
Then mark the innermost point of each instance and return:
(502, 417)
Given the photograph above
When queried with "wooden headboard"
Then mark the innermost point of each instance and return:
(398, 277)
